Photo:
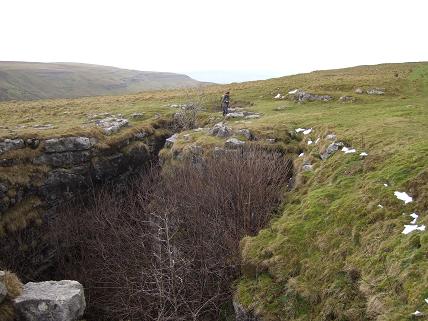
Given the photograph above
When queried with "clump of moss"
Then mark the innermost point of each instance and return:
(14, 289)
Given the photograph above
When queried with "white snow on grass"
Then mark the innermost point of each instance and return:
(292, 92)
(410, 228)
(380, 206)
(318, 139)
(298, 130)
(307, 131)
(277, 96)
(364, 154)
(417, 313)
(403, 196)
(415, 218)
(385, 184)
(426, 300)
(310, 142)
(301, 154)
(347, 150)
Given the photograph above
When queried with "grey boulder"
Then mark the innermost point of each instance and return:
(246, 133)
(51, 301)
(221, 130)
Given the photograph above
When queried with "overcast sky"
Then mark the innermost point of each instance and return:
(220, 40)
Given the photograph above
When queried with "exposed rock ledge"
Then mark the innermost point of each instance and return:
(57, 169)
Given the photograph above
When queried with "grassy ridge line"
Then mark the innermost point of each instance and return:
(31, 80)
(334, 254)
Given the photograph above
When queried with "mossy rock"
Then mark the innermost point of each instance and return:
(14, 289)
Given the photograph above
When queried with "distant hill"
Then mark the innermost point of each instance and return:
(34, 80)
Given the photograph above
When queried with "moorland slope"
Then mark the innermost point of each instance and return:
(32, 80)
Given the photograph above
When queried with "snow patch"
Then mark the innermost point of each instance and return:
(426, 300)
(310, 142)
(347, 150)
(277, 96)
(298, 130)
(417, 313)
(307, 131)
(292, 92)
(403, 196)
(385, 184)
(380, 206)
(318, 139)
(415, 218)
(301, 154)
(364, 154)
(410, 228)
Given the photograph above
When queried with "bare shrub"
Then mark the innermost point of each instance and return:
(168, 248)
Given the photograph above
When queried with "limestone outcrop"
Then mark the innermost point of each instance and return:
(59, 168)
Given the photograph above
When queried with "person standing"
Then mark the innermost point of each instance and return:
(225, 103)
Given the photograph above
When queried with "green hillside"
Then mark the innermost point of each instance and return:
(31, 80)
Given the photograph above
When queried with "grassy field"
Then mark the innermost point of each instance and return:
(333, 253)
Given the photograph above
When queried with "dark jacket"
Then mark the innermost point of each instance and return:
(225, 100)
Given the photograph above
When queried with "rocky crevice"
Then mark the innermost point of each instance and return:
(44, 174)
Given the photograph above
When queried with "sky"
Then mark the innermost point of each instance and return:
(221, 40)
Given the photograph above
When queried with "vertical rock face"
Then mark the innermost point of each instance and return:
(51, 300)
(67, 144)
(243, 315)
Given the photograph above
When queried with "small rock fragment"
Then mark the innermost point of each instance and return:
(137, 115)
(171, 140)
(112, 125)
(375, 91)
(307, 167)
(347, 99)
(234, 143)
(331, 149)
(331, 137)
